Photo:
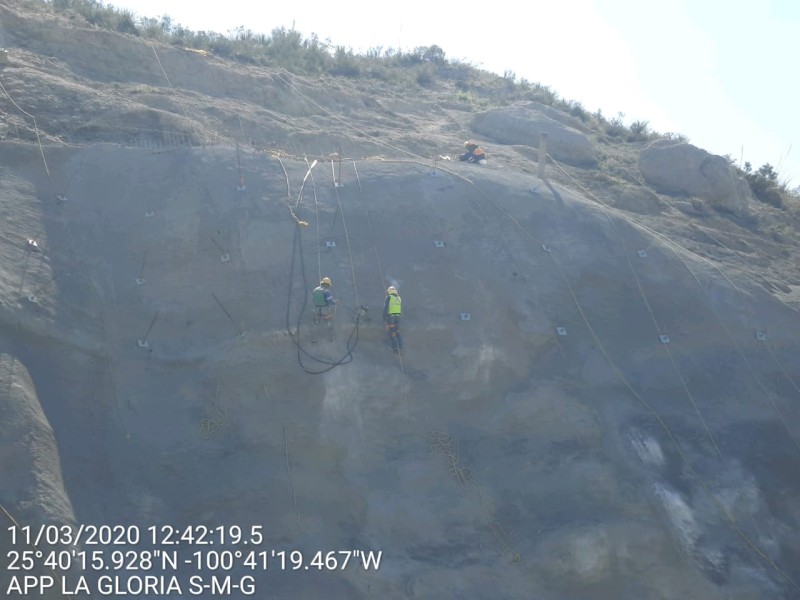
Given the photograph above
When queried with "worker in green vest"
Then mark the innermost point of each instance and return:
(392, 310)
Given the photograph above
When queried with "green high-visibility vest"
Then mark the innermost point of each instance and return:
(395, 304)
(318, 295)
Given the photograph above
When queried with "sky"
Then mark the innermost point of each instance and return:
(720, 72)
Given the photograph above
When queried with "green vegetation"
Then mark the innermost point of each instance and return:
(426, 67)
(765, 185)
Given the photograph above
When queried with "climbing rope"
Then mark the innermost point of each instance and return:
(346, 237)
(365, 203)
(295, 329)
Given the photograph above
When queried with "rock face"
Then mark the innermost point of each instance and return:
(680, 168)
(499, 432)
(522, 125)
(32, 487)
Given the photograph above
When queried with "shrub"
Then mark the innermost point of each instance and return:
(543, 94)
(433, 54)
(678, 137)
(284, 47)
(316, 57)
(344, 63)
(615, 127)
(639, 131)
(152, 29)
(576, 109)
(764, 184)
(126, 24)
(464, 96)
(425, 76)
(378, 72)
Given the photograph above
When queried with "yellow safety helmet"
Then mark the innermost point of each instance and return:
(391, 290)
(325, 281)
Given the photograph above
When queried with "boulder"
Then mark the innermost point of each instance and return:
(679, 168)
(522, 125)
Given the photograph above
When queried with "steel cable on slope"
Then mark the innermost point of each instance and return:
(731, 520)
(658, 329)
(104, 332)
(373, 138)
(44, 252)
(346, 237)
(369, 223)
(672, 246)
(206, 427)
(440, 442)
(705, 229)
(316, 218)
(36, 130)
(669, 354)
(103, 329)
(619, 373)
(748, 309)
(583, 315)
(495, 526)
(180, 103)
(700, 480)
(45, 257)
(644, 297)
(383, 283)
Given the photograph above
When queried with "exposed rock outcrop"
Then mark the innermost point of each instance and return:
(680, 168)
(522, 125)
(32, 486)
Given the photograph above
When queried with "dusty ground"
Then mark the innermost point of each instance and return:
(156, 345)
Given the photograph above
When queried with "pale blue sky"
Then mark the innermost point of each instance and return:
(721, 72)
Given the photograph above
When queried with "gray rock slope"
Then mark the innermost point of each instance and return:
(495, 457)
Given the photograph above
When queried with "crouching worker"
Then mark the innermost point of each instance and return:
(473, 154)
(323, 300)
(392, 310)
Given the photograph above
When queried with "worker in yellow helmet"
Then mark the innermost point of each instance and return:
(392, 310)
(323, 300)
